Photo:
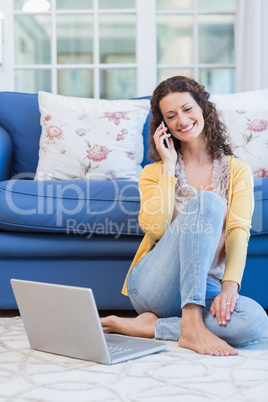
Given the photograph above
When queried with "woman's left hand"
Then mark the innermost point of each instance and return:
(224, 304)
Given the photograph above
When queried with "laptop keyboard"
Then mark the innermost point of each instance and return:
(116, 350)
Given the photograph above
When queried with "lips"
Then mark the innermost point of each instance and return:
(186, 129)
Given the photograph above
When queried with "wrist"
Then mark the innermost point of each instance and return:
(168, 169)
(230, 285)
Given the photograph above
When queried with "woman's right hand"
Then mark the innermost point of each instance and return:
(168, 155)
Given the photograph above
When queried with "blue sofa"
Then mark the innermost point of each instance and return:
(82, 233)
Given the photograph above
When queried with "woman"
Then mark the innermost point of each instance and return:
(196, 208)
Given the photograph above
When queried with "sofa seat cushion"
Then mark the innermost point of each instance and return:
(75, 206)
(80, 207)
(260, 214)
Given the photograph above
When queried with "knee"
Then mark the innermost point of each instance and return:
(211, 201)
(211, 206)
(253, 318)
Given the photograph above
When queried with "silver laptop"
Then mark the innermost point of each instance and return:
(64, 320)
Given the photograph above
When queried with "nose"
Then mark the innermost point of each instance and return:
(182, 120)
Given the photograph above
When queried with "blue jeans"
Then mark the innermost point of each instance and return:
(175, 273)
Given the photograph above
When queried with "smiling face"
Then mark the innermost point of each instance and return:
(183, 116)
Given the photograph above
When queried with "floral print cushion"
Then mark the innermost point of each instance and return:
(248, 130)
(90, 139)
(251, 100)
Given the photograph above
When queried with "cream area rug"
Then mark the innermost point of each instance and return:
(174, 375)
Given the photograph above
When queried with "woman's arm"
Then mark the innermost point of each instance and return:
(241, 198)
(157, 188)
(157, 194)
(238, 222)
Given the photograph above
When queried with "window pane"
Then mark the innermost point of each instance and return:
(118, 83)
(216, 38)
(75, 83)
(116, 4)
(32, 39)
(18, 4)
(32, 81)
(217, 5)
(218, 80)
(174, 39)
(174, 4)
(73, 5)
(74, 39)
(117, 38)
(164, 74)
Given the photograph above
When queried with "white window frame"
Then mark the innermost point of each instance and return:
(145, 52)
(146, 57)
(196, 66)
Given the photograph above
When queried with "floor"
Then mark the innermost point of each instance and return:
(174, 374)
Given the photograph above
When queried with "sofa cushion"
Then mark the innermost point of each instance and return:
(90, 139)
(80, 207)
(20, 117)
(246, 117)
(248, 130)
(74, 206)
(260, 214)
(250, 100)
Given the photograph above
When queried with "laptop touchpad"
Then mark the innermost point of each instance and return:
(116, 339)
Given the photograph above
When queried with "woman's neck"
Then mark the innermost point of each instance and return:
(195, 156)
(195, 153)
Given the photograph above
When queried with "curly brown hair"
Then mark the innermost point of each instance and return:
(215, 132)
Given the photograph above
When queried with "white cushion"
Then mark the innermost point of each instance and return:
(90, 139)
(252, 100)
(249, 135)
(246, 117)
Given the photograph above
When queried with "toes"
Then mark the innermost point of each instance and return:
(233, 352)
(108, 323)
(226, 352)
(221, 350)
(216, 352)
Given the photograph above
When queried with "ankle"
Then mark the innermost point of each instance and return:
(192, 316)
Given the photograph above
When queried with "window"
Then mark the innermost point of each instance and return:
(80, 48)
(196, 38)
(123, 48)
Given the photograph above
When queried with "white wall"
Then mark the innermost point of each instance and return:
(252, 45)
(265, 44)
(6, 69)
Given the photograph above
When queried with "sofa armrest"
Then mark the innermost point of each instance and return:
(6, 148)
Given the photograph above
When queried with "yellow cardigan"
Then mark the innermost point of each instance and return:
(157, 195)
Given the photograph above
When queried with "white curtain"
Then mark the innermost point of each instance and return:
(252, 45)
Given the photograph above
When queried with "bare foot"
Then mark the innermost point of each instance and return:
(143, 325)
(197, 337)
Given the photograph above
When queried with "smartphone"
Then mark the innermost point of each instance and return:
(166, 140)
